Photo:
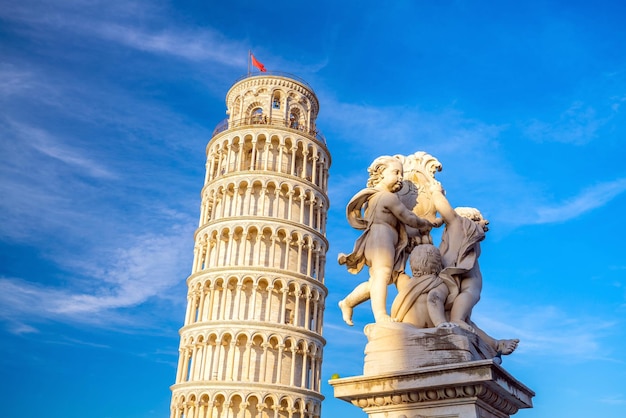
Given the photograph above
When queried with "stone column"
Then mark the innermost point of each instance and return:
(268, 316)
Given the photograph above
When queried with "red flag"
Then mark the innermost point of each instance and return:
(257, 64)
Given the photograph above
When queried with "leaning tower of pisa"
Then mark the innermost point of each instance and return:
(251, 345)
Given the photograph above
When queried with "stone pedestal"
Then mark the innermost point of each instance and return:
(397, 347)
(431, 373)
(474, 389)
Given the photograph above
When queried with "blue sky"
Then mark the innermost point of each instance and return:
(105, 112)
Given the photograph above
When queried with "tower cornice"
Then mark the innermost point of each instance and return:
(272, 80)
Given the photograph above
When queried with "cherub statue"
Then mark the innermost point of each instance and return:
(421, 299)
(378, 211)
(460, 249)
(460, 243)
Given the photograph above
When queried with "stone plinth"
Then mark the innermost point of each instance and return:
(473, 389)
(397, 347)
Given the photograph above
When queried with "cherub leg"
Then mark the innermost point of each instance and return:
(435, 305)
(380, 255)
(507, 346)
(379, 279)
(360, 294)
(465, 302)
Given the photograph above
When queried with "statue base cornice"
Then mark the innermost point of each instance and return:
(475, 389)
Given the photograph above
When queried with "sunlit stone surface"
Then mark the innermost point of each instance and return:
(251, 345)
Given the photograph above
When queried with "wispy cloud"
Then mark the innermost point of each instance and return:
(109, 109)
(41, 174)
(129, 277)
(71, 151)
(618, 399)
(141, 27)
(577, 125)
(199, 45)
(44, 142)
(109, 281)
(410, 129)
(14, 80)
(586, 201)
(549, 331)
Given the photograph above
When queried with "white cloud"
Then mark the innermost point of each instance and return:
(132, 275)
(199, 45)
(131, 26)
(14, 80)
(586, 201)
(579, 124)
(44, 142)
(117, 279)
(618, 399)
(66, 167)
(546, 330)
(409, 129)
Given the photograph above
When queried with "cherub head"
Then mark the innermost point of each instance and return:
(473, 214)
(387, 170)
(425, 259)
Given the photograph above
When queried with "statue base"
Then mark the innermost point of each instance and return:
(475, 389)
(397, 347)
(431, 373)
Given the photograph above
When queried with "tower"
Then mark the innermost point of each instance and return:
(251, 345)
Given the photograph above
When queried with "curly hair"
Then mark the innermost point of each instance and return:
(469, 213)
(377, 167)
(425, 259)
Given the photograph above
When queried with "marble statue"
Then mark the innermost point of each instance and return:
(379, 212)
(397, 211)
(421, 299)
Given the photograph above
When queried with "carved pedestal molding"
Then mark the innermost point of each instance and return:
(475, 389)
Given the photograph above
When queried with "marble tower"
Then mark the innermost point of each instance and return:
(251, 345)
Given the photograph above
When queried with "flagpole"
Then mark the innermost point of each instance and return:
(249, 55)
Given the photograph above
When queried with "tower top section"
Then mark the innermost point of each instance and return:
(272, 98)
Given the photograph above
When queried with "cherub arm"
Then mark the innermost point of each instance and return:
(400, 211)
(441, 203)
